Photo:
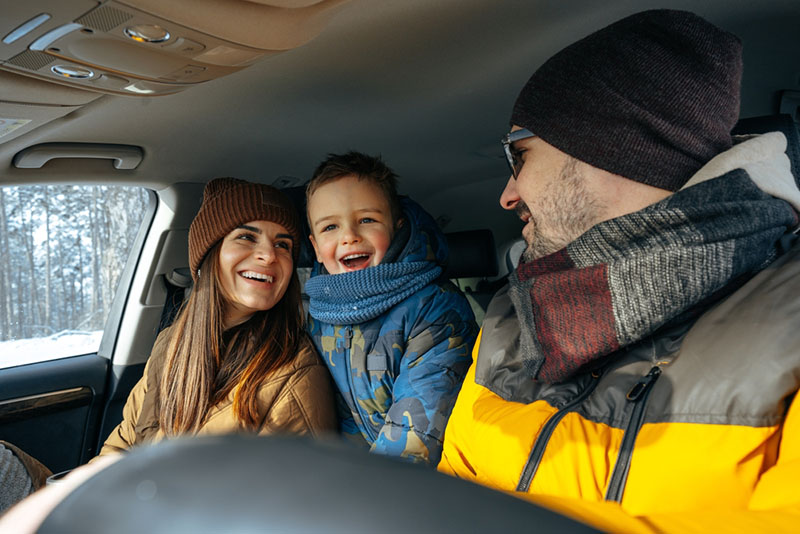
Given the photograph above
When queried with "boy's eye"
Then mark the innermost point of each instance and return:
(328, 228)
(365, 220)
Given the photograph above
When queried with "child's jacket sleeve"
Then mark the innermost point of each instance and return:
(435, 360)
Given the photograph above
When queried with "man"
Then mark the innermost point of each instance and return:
(638, 370)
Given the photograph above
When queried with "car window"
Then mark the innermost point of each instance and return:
(62, 251)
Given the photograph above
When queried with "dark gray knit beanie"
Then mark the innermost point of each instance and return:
(651, 97)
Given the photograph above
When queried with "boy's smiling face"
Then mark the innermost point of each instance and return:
(351, 224)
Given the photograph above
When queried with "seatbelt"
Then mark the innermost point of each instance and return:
(178, 284)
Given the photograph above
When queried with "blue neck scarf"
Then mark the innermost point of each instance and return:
(358, 296)
(410, 263)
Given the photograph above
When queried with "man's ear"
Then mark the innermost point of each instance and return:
(316, 250)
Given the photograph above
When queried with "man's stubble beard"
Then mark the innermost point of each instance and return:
(563, 212)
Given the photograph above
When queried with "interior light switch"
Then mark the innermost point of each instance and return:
(185, 47)
(185, 73)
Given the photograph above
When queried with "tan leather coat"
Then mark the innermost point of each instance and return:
(297, 399)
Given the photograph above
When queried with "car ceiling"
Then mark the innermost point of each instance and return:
(427, 84)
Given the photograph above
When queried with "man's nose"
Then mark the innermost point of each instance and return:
(510, 198)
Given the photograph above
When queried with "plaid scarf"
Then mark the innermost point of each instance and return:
(627, 277)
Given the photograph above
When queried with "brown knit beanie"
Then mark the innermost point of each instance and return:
(228, 203)
(651, 97)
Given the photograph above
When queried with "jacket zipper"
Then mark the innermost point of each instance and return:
(348, 337)
(638, 395)
(365, 421)
(539, 446)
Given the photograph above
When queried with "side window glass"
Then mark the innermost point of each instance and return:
(62, 251)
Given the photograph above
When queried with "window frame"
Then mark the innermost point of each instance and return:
(113, 322)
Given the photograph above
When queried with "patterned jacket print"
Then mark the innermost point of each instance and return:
(399, 374)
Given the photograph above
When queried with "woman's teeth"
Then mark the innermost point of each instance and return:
(257, 276)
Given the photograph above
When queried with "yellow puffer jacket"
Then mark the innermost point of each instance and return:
(693, 431)
(297, 399)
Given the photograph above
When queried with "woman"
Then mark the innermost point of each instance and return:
(237, 357)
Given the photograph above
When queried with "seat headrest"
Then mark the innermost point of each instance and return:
(297, 195)
(472, 254)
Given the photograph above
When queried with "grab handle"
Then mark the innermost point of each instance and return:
(125, 157)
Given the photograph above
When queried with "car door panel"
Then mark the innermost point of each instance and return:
(52, 409)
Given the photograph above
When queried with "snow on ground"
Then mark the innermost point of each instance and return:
(59, 345)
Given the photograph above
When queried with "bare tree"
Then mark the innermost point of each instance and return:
(6, 310)
(62, 251)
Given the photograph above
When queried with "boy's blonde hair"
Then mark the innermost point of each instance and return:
(364, 167)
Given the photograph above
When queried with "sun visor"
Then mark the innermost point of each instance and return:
(26, 103)
(152, 47)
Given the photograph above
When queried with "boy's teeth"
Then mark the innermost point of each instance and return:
(257, 276)
(357, 260)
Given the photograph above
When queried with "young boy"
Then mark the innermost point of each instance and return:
(396, 337)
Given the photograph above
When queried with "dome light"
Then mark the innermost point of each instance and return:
(71, 71)
(147, 33)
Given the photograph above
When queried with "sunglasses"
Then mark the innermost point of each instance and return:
(512, 154)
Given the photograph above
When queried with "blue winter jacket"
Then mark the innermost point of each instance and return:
(399, 374)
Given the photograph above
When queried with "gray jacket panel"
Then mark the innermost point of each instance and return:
(739, 363)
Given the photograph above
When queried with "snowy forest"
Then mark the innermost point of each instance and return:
(62, 250)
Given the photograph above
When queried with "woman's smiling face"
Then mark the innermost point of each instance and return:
(255, 266)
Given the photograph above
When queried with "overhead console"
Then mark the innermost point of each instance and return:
(151, 47)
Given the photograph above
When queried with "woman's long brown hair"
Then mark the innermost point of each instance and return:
(203, 365)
